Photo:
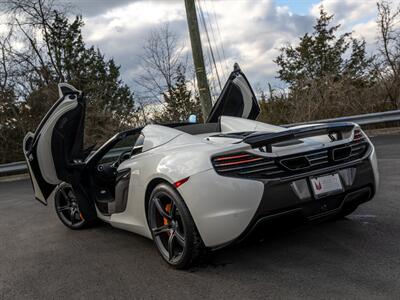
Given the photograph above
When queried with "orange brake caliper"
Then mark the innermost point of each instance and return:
(167, 209)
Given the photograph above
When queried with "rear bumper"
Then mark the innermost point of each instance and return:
(296, 198)
(226, 209)
(297, 193)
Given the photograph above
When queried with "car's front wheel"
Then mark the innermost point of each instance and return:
(172, 227)
(67, 208)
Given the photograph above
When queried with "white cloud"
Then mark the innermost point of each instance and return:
(356, 16)
(367, 31)
(347, 11)
(94, 7)
(132, 17)
(3, 24)
(251, 32)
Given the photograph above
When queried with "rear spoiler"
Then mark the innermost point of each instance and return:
(267, 139)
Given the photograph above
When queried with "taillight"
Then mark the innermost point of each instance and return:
(234, 159)
(358, 135)
(230, 157)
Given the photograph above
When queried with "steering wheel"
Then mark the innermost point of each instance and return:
(123, 156)
(110, 170)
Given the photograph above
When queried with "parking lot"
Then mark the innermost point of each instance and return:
(356, 257)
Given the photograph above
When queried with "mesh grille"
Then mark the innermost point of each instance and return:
(244, 164)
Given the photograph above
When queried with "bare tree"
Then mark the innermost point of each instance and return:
(161, 59)
(4, 59)
(30, 20)
(389, 49)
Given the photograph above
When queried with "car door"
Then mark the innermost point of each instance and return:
(237, 99)
(54, 152)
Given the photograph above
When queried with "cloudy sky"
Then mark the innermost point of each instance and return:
(248, 32)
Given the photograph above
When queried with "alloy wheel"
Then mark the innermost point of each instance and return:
(67, 207)
(167, 227)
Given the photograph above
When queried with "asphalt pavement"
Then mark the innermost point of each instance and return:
(357, 257)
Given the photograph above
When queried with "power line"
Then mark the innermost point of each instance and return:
(210, 53)
(207, 59)
(211, 23)
(220, 37)
(209, 44)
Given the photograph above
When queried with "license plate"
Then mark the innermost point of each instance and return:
(326, 185)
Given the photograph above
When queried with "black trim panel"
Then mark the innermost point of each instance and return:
(231, 101)
(267, 139)
(67, 141)
(280, 199)
(122, 190)
(252, 166)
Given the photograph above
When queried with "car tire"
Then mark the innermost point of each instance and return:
(172, 227)
(67, 208)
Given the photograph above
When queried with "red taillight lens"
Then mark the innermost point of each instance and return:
(234, 159)
(230, 157)
(244, 163)
(358, 135)
(231, 163)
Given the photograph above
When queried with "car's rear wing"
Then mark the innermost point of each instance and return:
(336, 131)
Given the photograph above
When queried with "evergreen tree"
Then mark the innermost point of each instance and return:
(324, 54)
(58, 54)
(179, 102)
(10, 131)
(86, 68)
(110, 102)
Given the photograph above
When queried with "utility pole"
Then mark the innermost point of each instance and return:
(198, 59)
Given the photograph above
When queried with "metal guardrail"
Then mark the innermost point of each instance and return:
(366, 119)
(20, 167)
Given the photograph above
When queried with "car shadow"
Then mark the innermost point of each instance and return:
(284, 241)
(280, 240)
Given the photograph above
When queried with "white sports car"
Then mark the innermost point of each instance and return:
(191, 187)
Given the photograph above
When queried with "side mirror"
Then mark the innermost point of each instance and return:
(192, 119)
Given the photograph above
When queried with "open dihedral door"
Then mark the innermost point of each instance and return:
(237, 99)
(54, 152)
